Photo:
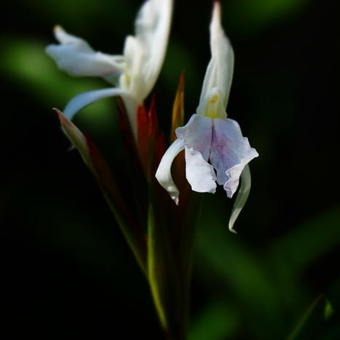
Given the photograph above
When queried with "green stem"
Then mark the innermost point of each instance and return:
(165, 277)
(169, 263)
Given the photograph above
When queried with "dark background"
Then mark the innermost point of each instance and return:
(65, 267)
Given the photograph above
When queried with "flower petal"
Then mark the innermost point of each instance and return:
(132, 79)
(76, 56)
(218, 77)
(197, 134)
(65, 38)
(199, 173)
(145, 51)
(163, 173)
(230, 152)
(241, 198)
(86, 98)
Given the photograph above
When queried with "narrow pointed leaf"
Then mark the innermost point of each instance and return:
(151, 144)
(166, 279)
(142, 134)
(76, 137)
(147, 130)
(305, 318)
(178, 108)
(156, 274)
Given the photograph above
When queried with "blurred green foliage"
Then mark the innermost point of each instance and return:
(251, 16)
(66, 267)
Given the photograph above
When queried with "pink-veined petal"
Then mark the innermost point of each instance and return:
(75, 56)
(197, 134)
(230, 152)
(163, 173)
(87, 98)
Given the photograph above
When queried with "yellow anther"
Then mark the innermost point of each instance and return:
(213, 99)
(214, 107)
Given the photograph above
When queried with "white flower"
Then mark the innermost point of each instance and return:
(215, 150)
(133, 74)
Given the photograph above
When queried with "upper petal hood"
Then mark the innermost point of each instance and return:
(219, 74)
(145, 51)
(75, 56)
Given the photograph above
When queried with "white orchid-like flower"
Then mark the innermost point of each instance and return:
(215, 150)
(133, 74)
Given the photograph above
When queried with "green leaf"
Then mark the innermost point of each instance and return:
(245, 281)
(169, 262)
(304, 319)
(215, 322)
(251, 16)
(156, 267)
(178, 108)
(318, 235)
(329, 310)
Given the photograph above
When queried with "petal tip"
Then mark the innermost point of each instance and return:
(174, 193)
(59, 33)
(230, 193)
(232, 230)
(216, 17)
(57, 28)
(58, 112)
(175, 198)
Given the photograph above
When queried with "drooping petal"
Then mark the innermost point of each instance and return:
(75, 56)
(230, 152)
(146, 50)
(163, 173)
(233, 174)
(197, 136)
(218, 77)
(199, 173)
(241, 198)
(86, 98)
